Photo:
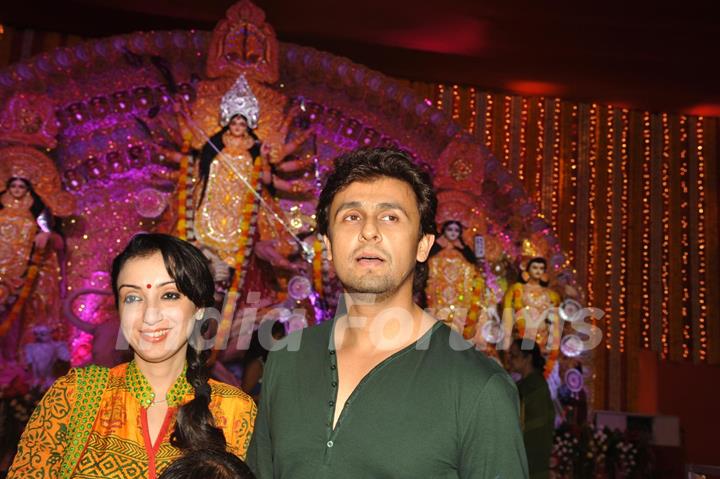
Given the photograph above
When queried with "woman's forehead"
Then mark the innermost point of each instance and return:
(145, 266)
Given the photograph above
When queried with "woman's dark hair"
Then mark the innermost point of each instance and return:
(528, 347)
(368, 164)
(538, 260)
(210, 150)
(195, 426)
(466, 251)
(38, 206)
(208, 464)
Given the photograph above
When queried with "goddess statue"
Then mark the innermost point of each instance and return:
(528, 308)
(235, 172)
(29, 266)
(454, 280)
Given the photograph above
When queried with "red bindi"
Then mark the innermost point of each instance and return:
(149, 286)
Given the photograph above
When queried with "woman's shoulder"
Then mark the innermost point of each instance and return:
(229, 401)
(225, 391)
(82, 374)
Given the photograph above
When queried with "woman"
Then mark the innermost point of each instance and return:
(537, 413)
(133, 420)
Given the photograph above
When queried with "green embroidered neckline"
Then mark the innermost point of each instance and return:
(141, 389)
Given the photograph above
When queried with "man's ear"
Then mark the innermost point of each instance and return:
(328, 246)
(424, 246)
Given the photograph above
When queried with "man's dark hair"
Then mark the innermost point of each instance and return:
(528, 347)
(369, 164)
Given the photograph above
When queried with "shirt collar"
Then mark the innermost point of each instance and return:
(142, 391)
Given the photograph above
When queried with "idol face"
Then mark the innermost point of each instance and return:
(452, 231)
(238, 126)
(18, 188)
(374, 236)
(155, 317)
(536, 271)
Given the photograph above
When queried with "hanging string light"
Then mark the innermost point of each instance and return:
(572, 201)
(555, 203)
(702, 280)
(665, 274)
(472, 124)
(507, 131)
(539, 150)
(523, 138)
(592, 194)
(646, 189)
(456, 103)
(609, 194)
(685, 240)
(489, 107)
(439, 95)
(624, 220)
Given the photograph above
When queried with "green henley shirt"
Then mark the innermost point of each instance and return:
(436, 409)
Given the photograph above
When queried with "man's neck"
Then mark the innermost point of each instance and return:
(385, 324)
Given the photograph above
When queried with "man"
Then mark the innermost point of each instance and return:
(384, 391)
(538, 411)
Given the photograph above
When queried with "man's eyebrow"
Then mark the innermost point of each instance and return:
(348, 205)
(391, 206)
(387, 205)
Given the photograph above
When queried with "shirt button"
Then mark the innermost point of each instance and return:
(334, 384)
(331, 403)
(333, 367)
(332, 352)
(330, 444)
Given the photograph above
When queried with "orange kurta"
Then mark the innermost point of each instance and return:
(118, 445)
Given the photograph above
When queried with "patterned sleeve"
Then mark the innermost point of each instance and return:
(42, 445)
(234, 413)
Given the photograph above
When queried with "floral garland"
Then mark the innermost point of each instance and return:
(550, 361)
(185, 184)
(321, 269)
(247, 230)
(318, 248)
(476, 293)
(32, 272)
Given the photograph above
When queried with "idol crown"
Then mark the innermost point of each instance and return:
(239, 100)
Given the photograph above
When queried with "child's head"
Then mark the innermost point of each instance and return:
(208, 463)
